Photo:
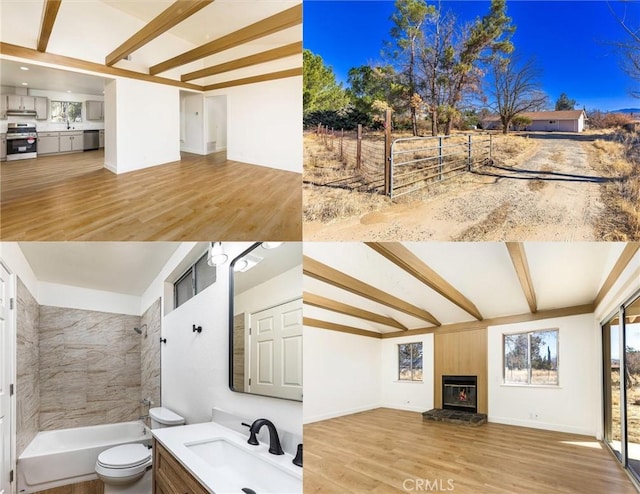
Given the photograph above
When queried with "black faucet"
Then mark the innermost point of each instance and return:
(297, 461)
(274, 440)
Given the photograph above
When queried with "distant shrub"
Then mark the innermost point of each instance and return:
(602, 120)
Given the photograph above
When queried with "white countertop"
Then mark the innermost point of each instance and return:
(175, 439)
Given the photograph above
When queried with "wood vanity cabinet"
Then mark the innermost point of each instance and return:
(170, 477)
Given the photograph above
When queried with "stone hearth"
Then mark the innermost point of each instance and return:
(455, 417)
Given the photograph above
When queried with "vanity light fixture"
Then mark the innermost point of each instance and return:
(216, 256)
(271, 245)
(246, 263)
(24, 68)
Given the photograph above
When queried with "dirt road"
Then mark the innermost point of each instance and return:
(554, 195)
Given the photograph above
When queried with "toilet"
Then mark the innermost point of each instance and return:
(126, 464)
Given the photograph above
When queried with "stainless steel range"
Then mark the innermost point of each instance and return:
(22, 141)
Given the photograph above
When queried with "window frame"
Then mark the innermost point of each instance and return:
(191, 271)
(529, 334)
(399, 375)
(65, 111)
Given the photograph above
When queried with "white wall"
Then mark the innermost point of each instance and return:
(146, 126)
(13, 257)
(573, 406)
(406, 395)
(264, 123)
(195, 367)
(216, 122)
(73, 297)
(341, 374)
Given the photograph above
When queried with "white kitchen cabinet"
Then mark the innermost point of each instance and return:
(3, 148)
(101, 135)
(95, 110)
(48, 142)
(42, 107)
(71, 141)
(3, 106)
(20, 103)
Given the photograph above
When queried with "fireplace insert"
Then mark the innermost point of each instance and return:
(460, 393)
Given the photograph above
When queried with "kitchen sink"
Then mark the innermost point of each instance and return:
(237, 467)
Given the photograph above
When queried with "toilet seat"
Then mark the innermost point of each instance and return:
(123, 464)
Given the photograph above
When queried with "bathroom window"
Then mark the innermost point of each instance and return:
(410, 361)
(531, 358)
(195, 279)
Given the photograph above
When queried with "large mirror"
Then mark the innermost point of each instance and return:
(265, 323)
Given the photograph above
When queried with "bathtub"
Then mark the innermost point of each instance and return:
(68, 456)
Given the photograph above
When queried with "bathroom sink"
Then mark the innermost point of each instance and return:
(237, 467)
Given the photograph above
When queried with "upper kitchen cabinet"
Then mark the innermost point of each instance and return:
(25, 105)
(42, 108)
(95, 110)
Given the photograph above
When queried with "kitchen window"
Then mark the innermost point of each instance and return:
(531, 358)
(194, 280)
(410, 361)
(66, 111)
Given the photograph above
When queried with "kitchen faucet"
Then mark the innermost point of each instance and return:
(274, 440)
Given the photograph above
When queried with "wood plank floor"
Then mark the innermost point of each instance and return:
(72, 197)
(392, 451)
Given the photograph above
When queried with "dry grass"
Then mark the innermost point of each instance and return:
(619, 158)
(511, 149)
(495, 220)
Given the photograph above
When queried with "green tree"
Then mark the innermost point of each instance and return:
(564, 103)
(407, 36)
(320, 90)
(368, 84)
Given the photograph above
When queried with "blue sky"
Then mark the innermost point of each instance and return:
(570, 40)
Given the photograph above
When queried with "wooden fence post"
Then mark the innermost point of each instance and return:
(469, 166)
(440, 157)
(359, 148)
(490, 149)
(387, 153)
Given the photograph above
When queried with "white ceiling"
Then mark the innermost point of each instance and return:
(563, 275)
(119, 267)
(39, 77)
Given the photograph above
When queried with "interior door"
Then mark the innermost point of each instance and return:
(276, 351)
(6, 363)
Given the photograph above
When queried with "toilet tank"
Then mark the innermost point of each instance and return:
(163, 417)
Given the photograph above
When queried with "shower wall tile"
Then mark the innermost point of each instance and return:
(150, 355)
(28, 379)
(89, 366)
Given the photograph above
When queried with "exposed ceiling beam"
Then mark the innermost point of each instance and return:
(412, 264)
(171, 16)
(497, 321)
(278, 22)
(625, 258)
(75, 63)
(262, 57)
(317, 323)
(349, 310)
(283, 74)
(327, 274)
(48, 20)
(519, 260)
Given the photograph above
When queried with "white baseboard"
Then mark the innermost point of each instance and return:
(111, 168)
(536, 424)
(339, 413)
(407, 408)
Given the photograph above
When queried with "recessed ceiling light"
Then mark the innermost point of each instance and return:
(68, 91)
(25, 83)
(24, 68)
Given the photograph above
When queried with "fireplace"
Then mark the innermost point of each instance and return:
(460, 393)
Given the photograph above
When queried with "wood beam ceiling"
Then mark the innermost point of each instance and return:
(519, 260)
(278, 22)
(75, 63)
(49, 14)
(625, 258)
(262, 57)
(349, 310)
(332, 276)
(317, 323)
(283, 74)
(170, 17)
(412, 264)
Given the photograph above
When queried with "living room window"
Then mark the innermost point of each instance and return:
(410, 361)
(531, 358)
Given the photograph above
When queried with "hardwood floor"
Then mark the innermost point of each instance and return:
(392, 451)
(72, 197)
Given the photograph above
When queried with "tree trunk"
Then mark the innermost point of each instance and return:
(449, 126)
(434, 123)
(414, 122)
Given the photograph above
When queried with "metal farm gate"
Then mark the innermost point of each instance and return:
(416, 162)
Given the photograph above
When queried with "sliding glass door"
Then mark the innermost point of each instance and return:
(621, 354)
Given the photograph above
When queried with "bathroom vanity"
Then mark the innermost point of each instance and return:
(170, 476)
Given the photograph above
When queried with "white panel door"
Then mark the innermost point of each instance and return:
(275, 366)
(6, 362)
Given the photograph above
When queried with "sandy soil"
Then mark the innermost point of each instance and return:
(553, 195)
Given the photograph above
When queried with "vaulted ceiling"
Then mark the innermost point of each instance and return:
(393, 289)
(202, 44)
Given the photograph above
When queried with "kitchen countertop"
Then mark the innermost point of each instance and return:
(174, 439)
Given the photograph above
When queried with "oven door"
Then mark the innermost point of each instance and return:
(22, 148)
